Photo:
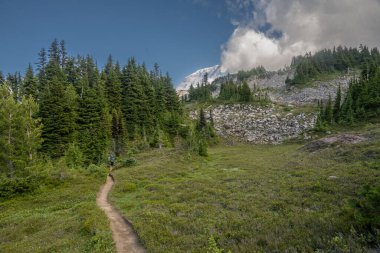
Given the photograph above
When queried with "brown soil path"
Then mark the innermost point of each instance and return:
(125, 238)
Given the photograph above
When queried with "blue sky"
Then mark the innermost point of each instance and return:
(180, 35)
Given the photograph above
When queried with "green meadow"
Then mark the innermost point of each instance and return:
(249, 198)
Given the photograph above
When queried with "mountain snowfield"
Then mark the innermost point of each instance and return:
(196, 77)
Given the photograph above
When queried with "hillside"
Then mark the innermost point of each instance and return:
(252, 162)
(263, 198)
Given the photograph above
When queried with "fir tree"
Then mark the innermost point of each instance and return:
(132, 94)
(58, 112)
(54, 52)
(337, 105)
(2, 79)
(245, 93)
(29, 85)
(62, 54)
(42, 63)
(202, 123)
(329, 112)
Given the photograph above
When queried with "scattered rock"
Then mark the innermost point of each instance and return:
(257, 125)
(333, 140)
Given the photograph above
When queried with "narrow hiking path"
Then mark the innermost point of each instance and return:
(125, 238)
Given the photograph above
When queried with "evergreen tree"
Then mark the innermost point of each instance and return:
(42, 63)
(2, 79)
(202, 123)
(93, 120)
(54, 52)
(337, 105)
(329, 112)
(57, 111)
(132, 94)
(245, 93)
(29, 85)
(62, 54)
(112, 85)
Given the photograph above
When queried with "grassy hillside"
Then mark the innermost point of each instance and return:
(250, 198)
(61, 219)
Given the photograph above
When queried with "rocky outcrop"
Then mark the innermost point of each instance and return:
(258, 125)
(280, 93)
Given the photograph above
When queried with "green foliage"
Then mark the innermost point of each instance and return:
(202, 149)
(326, 61)
(258, 198)
(29, 84)
(212, 246)
(129, 187)
(233, 92)
(244, 75)
(365, 211)
(129, 162)
(10, 187)
(74, 157)
(360, 103)
(64, 215)
(97, 170)
(20, 132)
(58, 107)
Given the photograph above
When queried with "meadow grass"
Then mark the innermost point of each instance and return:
(250, 198)
(61, 219)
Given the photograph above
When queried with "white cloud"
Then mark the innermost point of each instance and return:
(306, 25)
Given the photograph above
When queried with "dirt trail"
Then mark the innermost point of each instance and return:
(125, 238)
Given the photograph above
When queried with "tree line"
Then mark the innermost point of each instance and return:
(361, 102)
(230, 91)
(326, 61)
(69, 103)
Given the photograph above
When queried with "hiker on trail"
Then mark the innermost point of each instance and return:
(111, 159)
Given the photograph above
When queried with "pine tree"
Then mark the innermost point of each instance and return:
(15, 83)
(42, 63)
(29, 84)
(2, 79)
(112, 85)
(132, 94)
(245, 93)
(93, 120)
(54, 52)
(202, 123)
(62, 54)
(57, 111)
(337, 105)
(329, 112)
(348, 112)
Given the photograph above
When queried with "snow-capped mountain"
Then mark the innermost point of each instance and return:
(196, 77)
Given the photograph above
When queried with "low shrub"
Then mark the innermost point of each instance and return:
(129, 187)
(10, 187)
(365, 213)
(97, 170)
(130, 162)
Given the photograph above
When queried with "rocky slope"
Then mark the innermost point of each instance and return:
(280, 93)
(258, 125)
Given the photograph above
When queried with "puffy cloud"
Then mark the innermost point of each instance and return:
(305, 25)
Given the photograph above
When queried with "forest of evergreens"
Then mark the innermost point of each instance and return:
(359, 104)
(339, 59)
(230, 91)
(70, 108)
